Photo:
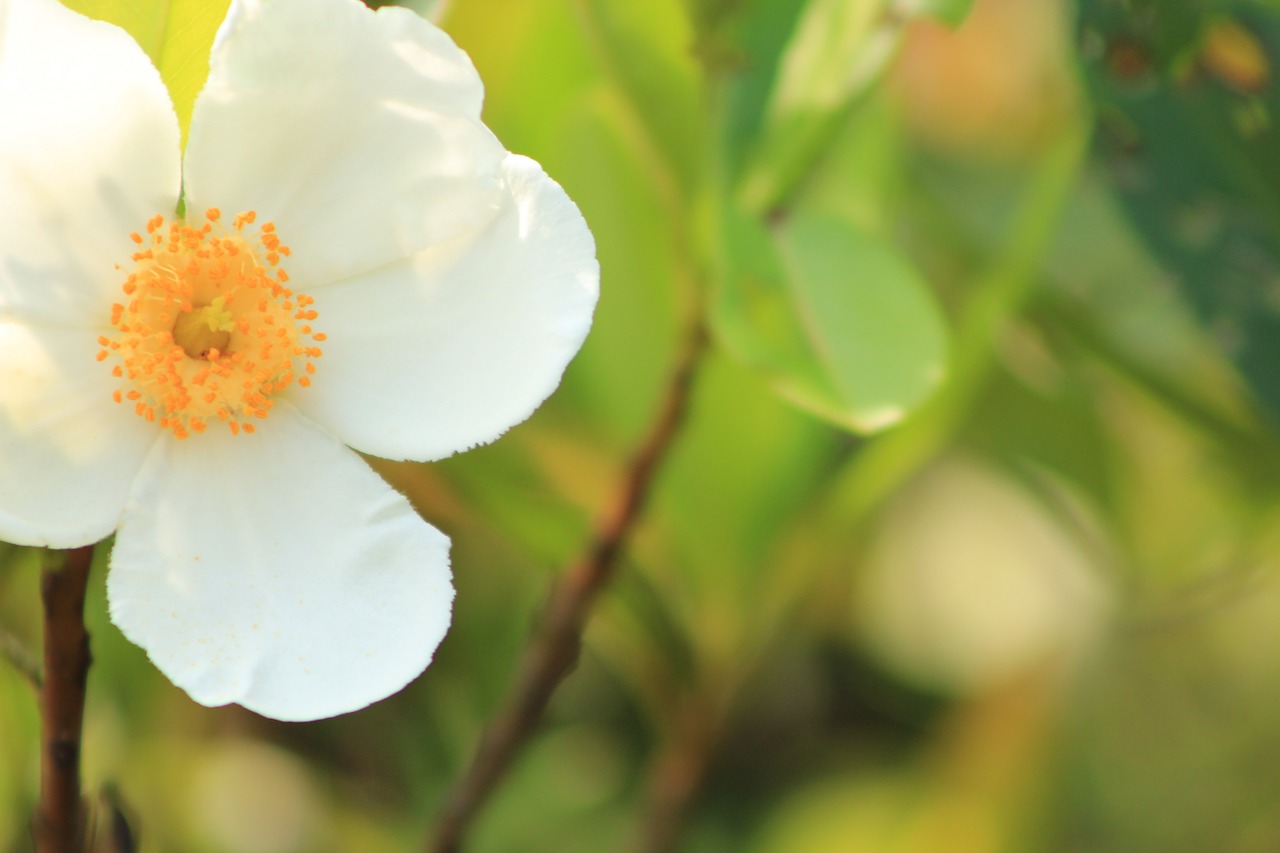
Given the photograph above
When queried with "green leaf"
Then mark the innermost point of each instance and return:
(1187, 102)
(863, 174)
(644, 48)
(176, 34)
(740, 45)
(754, 315)
(837, 319)
(835, 53)
(871, 321)
(950, 12)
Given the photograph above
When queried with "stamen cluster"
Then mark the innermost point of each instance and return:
(209, 331)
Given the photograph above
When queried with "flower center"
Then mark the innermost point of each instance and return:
(209, 331)
(204, 329)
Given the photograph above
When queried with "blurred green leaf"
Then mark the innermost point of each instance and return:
(176, 34)
(753, 314)
(644, 48)
(835, 53)
(740, 44)
(950, 12)
(638, 309)
(536, 69)
(872, 323)
(863, 175)
(840, 320)
(1186, 105)
(1054, 428)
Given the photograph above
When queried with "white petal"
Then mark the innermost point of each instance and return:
(453, 347)
(357, 133)
(68, 453)
(278, 571)
(88, 153)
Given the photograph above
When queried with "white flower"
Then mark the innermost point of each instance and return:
(452, 282)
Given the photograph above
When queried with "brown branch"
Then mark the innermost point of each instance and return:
(553, 651)
(59, 822)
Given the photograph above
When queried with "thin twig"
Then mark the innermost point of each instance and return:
(675, 780)
(20, 657)
(59, 821)
(553, 651)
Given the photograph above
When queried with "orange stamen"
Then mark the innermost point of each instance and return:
(197, 333)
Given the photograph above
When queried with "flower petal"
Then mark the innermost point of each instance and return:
(88, 152)
(453, 347)
(68, 453)
(357, 133)
(278, 571)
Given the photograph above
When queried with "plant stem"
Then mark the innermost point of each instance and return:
(553, 651)
(676, 779)
(59, 822)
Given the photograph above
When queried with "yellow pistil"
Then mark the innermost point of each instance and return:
(209, 331)
(202, 330)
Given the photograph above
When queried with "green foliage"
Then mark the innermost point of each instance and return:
(642, 48)
(879, 332)
(836, 52)
(1187, 102)
(950, 12)
(801, 76)
(176, 34)
(836, 317)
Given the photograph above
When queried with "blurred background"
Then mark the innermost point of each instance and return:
(969, 542)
